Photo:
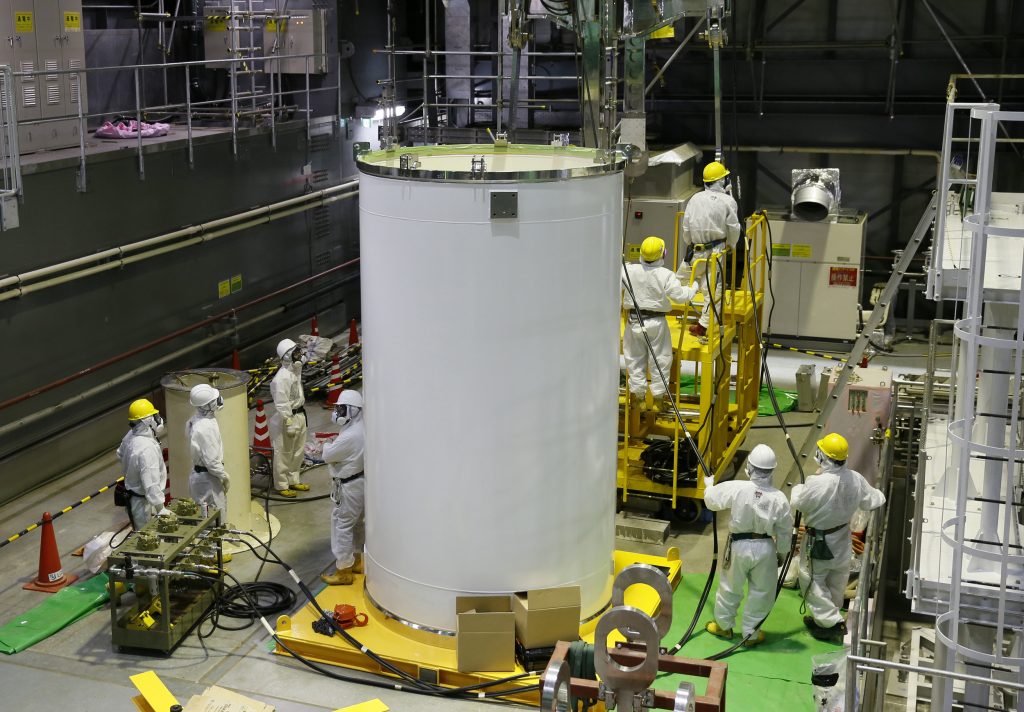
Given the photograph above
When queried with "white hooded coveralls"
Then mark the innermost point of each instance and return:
(757, 508)
(829, 500)
(655, 287)
(344, 457)
(207, 450)
(145, 473)
(287, 427)
(710, 216)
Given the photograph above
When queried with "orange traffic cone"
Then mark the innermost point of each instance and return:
(313, 330)
(236, 360)
(353, 334)
(261, 431)
(51, 576)
(334, 385)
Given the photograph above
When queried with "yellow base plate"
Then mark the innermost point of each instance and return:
(428, 656)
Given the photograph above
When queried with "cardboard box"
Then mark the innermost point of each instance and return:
(546, 615)
(485, 634)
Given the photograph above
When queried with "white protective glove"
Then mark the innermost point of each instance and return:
(163, 510)
(709, 482)
(292, 425)
(225, 482)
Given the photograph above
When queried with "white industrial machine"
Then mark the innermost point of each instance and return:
(817, 268)
(658, 198)
(491, 377)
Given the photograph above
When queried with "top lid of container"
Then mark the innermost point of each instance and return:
(513, 163)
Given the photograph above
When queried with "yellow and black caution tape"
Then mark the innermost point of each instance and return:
(817, 354)
(62, 512)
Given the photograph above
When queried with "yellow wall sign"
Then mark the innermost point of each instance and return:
(632, 253)
(223, 288)
(22, 21)
(802, 251)
(73, 21)
(217, 23)
(236, 283)
(666, 32)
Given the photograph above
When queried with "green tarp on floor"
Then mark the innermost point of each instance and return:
(57, 611)
(773, 676)
(786, 399)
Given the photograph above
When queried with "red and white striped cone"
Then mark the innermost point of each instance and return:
(314, 329)
(334, 385)
(353, 333)
(167, 483)
(261, 431)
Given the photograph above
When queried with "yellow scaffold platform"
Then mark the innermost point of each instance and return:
(719, 407)
(428, 656)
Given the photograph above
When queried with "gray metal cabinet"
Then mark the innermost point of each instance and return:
(45, 35)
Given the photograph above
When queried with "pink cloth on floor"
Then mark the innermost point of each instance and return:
(131, 130)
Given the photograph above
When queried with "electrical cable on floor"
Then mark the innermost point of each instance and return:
(420, 686)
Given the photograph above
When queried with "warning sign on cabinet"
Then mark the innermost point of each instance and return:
(842, 277)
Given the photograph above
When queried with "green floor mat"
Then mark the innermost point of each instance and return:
(59, 610)
(786, 399)
(774, 675)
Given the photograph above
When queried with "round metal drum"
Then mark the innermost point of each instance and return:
(490, 314)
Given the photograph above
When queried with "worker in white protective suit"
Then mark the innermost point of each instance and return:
(141, 457)
(344, 457)
(208, 484)
(710, 226)
(760, 533)
(288, 421)
(828, 501)
(650, 288)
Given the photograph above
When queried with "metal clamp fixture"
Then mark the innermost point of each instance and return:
(477, 167)
(622, 686)
(686, 697)
(554, 688)
(408, 162)
(649, 576)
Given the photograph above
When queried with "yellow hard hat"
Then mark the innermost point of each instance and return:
(652, 248)
(835, 447)
(715, 171)
(140, 409)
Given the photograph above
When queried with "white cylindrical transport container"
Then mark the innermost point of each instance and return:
(490, 315)
(233, 420)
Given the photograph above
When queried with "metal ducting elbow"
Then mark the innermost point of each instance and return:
(816, 193)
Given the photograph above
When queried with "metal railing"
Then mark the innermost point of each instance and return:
(10, 156)
(268, 105)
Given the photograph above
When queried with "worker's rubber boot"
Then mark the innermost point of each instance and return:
(656, 404)
(289, 493)
(713, 628)
(301, 487)
(666, 404)
(832, 634)
(756, 639)
(636, 403)
(340, 577)
(357, 567)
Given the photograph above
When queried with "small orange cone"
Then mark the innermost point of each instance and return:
(313, 329)
(261, 431)
(51, 576)
(334, 385)
(236, 360)
(353, 334)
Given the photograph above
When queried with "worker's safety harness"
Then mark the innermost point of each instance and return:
(740, 536)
